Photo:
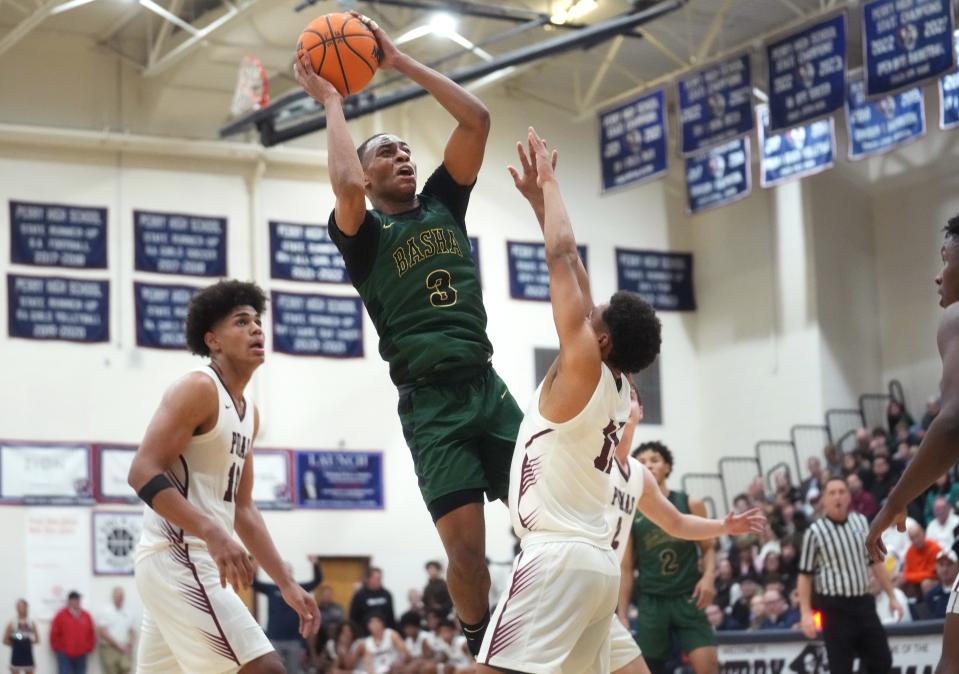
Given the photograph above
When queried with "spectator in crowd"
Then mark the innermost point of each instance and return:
(331, 613)
(947, 568)
(919, 569)
(942, 528)
(757, 612)
(772, 573)
(833, 461)
(778, 614)
(373, 599)
(741, 504)
(117, 632)
(20, 635)
(811, 487)
(942, 487)
(719, 620)
(883, 478)
(415, 638)
(933, 405)
(789, 563)
(884, 606)
(862, 501)
(415, 601)
(863, 440)
(383, 650)
(724, 583)
(436, 595)
(851, 466)
(344, 651)
(282, 622)
(71, 636)
(741, 610)
(451, 651)
(745, 566)
(897, 414)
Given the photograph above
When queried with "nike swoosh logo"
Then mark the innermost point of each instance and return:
(387, 225)
(504, 394)
(227, 406)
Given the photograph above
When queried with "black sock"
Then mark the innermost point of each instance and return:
(474, 633)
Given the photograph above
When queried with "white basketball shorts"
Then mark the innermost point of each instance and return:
(553, 617)
(622, 646)
(190, 623)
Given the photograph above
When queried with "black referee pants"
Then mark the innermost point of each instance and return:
(851, 629)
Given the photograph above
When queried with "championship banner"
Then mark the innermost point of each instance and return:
(665, 280)
(115, 537)
(715, 104)
(53, 307)
(339, 480)
(113, 465)
(160, 312)
(915, 649)
(884, 123)
(317, 325)
(55, 542)
(905, 42)
(300, 252)
(796, 153)
(58, 235)
(632, 139)
(272, 479)
(718, 177)
(949, 98)
(528, 273)
(807, 73)
(45, 474)
(174, 243)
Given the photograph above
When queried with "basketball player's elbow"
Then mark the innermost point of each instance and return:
(561, 251)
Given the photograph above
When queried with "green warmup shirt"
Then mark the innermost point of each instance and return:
(415, 273)
(667, 566)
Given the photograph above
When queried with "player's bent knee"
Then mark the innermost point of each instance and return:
(269, 663)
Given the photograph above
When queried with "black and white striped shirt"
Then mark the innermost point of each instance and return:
(834, 553)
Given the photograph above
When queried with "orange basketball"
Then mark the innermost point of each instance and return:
(342, 49)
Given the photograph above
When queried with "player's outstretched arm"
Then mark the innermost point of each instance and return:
(577, 368)
(527, 185)
(188, 405)
(346, 172)
(252, 530)
(939, 449)
(466, 146)
(664, 514)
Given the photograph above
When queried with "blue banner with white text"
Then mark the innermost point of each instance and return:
(905, 42)
(715, 104)
(665, 280)
(528, 273)
(794, 153)
(58, 235)
(317, 325)
(52, 307)
(949, 98)
(300, 252)
(883, 123)
(175, 243)
(807, 73)
(719, 176)
(339, 480)
(632, 140)
(160, 312)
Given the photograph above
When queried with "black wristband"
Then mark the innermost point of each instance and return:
(156, 484)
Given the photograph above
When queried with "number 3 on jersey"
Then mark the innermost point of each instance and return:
(441, 283)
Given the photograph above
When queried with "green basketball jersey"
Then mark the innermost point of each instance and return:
(415, 273)
(667, 566)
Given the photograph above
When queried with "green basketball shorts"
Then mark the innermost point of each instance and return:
(660, 616)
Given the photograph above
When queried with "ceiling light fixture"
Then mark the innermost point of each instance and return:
(574, 10)
(69, 5)
(442, 24)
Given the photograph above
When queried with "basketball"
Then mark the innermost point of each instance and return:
(342, 50)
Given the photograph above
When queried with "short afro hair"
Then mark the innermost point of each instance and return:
(365, 145)
(215, 303)
(952, 229)
(655, 446)
(634, 330)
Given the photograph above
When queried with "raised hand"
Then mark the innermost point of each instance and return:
(541, 157)
(527, 182)
(318, 88)
(751, 521)
(389, 53)
(885, 519)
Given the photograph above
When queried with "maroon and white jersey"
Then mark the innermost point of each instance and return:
(207, 473)
(621, 507)
(560, 474)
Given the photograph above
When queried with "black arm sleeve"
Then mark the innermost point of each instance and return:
(450, 193)
(359, 250)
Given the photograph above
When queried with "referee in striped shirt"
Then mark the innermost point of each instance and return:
(835, 564)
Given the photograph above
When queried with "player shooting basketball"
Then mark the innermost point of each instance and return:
(409, 259)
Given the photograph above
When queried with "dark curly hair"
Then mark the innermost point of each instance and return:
(214, 303)
(634, 330)
(952, 229)
(659, 448)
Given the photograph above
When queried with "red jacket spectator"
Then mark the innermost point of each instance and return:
(920, 557)
(71, 632)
